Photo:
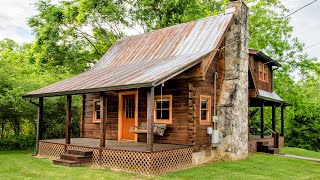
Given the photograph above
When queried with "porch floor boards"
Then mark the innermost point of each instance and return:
(117, 145)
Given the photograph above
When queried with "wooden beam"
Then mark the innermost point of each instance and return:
(83, 109)
(103, 117)
(150, 119)
(262, 120)
(39, 123)
(282, 120)
(274, 119)
(68, 118)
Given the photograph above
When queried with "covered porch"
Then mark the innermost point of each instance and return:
(275, 139)
(145, 157)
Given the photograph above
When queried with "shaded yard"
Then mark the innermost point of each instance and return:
(20, 165)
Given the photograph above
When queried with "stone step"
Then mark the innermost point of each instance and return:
(78, 158)
(80, 152)
(65, 162)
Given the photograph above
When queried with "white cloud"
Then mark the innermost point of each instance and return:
(13, 19)
(306, 23)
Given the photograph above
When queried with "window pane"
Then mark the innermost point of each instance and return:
(165, 114)
(97, 109)
(165, 103)
(203, 114)
(98, 114)
(204, 104)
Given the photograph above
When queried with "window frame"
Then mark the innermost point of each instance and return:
(263, 72)
(166, 121)
(208, 120)
(94, 118)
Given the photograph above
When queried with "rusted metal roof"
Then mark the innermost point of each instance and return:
(148, 59)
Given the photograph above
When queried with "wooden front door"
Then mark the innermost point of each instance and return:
(128, 116)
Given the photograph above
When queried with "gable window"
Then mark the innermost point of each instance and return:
(163, 109)
(96, 111)
(205, 110)
(263, 72)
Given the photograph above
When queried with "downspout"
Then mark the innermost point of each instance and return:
(215, 135)
(37, 136)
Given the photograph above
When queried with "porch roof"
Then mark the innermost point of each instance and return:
(148, 59)
(269, 96)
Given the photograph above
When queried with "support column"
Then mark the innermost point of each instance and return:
(150, 119)
(103, 117)
(274, 119)
(282, 120)
(83, 109)
(262, 120)
(39, 123)
(68, 118)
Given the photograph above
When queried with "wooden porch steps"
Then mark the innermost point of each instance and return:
(74, 158)
(266, 148)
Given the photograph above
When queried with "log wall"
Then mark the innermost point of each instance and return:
(185, 91)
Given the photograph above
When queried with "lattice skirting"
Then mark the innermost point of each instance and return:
(51, 150)
(132, 161)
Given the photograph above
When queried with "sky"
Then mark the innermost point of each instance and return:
(306, 23)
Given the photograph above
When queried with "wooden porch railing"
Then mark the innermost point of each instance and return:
(275, 136)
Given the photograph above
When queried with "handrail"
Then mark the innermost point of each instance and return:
(276, 137)
(269, 129)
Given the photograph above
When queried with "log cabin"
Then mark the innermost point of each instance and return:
(169, 99)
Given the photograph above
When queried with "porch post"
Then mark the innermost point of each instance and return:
(274, 119)
(103, 117)
(150, 119)
(39, 123)
(68, 118)
(262, 120)
(282, 120)
(83, 108)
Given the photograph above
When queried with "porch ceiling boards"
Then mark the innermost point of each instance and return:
(148, 59)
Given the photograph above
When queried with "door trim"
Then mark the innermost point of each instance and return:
(120, 108)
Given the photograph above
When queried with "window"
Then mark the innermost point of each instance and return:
(96, 111)
(163, 109)
(129, 106)
(205, 110)
(263, 72)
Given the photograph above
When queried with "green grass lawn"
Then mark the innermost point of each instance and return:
(300, 152)
(21, 165)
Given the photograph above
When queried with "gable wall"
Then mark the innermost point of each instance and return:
(254, 63)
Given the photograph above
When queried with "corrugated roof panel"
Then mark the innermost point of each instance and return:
(269, 95)
(147, 58)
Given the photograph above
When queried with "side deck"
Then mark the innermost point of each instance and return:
(123, 155)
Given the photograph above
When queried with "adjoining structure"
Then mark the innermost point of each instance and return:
(163, 100)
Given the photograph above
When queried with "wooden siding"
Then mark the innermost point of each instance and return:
(254, 63)
(185, 90)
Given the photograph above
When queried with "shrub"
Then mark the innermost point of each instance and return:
(17, 142)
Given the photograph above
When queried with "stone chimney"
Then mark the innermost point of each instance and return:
(233, 102)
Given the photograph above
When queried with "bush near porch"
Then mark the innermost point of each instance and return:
(21, 165)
